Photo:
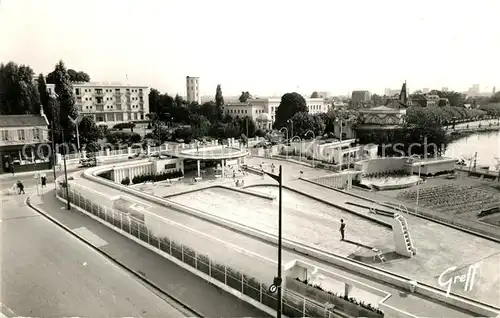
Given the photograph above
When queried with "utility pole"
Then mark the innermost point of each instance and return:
(68, 205)
(277, 281)
(53, 104)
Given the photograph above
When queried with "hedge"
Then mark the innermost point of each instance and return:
(157, 177)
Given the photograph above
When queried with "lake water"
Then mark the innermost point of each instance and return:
(487, 146)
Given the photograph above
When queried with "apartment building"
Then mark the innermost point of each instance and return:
(24, 140)
(263, 110)
(110, 103)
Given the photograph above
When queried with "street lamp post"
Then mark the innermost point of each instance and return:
(76, 121)
(291, 140)
(68, 205)
(286, 139)
(277, 281)
(291, 123)
(314, 148)
(418, 185)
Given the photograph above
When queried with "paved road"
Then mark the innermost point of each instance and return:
(47, 272)
(7, 179)
(258, 268)
(182, 284)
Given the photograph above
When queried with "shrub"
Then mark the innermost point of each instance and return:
(158, 177)
(126, 181)
(350, 299)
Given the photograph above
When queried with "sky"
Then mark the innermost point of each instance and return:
(266, 47)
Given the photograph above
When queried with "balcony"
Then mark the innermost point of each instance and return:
(99, 108)
(98, 93)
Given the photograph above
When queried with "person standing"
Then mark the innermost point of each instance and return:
(20, 186)
(342, 229)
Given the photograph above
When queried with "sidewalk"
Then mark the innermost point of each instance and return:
(188, 288)
(411, 303)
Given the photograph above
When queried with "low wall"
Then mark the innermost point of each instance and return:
(257, 194)
(359, 267)
(381, 165)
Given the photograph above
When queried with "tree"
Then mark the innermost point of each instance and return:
(65, 98)
(315, 95)
(179, 101)
(185, 133)
(18, 92)
(219, 99)
(154, 101)
(200, 126)
(44, 97)
(291, 103)
(74, 77)
(303, 122)
(88, 131)
(247, 126)
(161, 133)
(495, 98)
(377, 100)
(244, 97)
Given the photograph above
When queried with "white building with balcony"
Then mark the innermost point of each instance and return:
(263, 110)
(110, 103)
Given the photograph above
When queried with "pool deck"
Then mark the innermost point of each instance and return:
(438, 246)
(412, 303)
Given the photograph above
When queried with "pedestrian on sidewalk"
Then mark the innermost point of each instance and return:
(44, 182)
(342, 229)
(20, 186)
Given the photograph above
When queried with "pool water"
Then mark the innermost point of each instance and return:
(304, 219)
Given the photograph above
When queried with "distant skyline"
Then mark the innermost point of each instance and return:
(264, 47)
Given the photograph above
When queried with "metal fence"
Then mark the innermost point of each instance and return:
(230, 265)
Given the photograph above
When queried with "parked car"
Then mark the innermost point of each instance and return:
(88, 162)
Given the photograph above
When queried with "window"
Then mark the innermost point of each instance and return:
(119, 117)
(36, 134)
(169, 166)
(5, 135)
(20, 134)
(77, 91)
(117, 90)
(140, 89)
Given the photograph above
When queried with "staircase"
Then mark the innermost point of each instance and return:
(403, 233)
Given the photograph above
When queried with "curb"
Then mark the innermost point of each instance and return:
(185, 309)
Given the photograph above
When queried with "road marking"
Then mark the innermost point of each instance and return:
(88, 235)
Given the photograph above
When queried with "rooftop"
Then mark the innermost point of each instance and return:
(22, 121)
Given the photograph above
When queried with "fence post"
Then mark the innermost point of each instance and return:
(106, 216)
(121, 221)
(147, 230)
(242, 283)
(182, 252)
(210, 267)
(170, 244)
(195, 260)
(260, 292)
(225, 274)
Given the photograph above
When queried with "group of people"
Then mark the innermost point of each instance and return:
(20, 186)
